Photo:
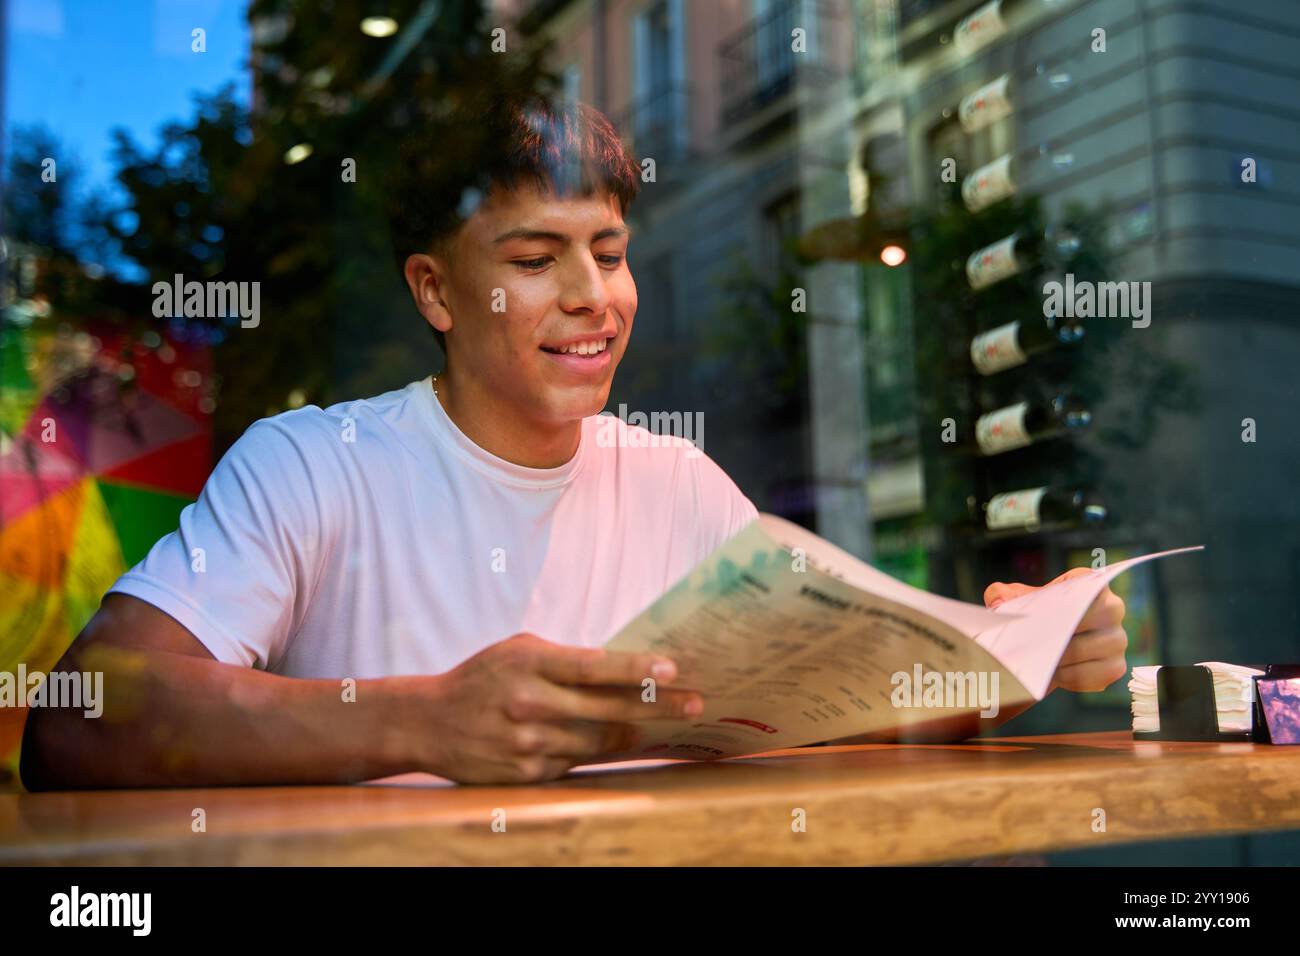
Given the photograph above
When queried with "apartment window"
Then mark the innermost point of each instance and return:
(776, 21)
(658, 114)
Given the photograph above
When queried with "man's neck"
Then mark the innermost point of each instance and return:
(476, 412)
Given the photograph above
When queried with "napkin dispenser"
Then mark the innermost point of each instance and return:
(1185, 696)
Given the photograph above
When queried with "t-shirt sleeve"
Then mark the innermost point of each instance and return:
(722, 507)
(238, 571)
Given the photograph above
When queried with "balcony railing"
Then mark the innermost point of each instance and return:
(659, 124)
(757, 64)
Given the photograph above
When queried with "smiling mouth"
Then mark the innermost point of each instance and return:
(587, 349)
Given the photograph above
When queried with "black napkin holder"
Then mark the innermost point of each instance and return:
(1185, 695)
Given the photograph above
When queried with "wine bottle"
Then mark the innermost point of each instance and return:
(986, 105)
(1016, 253)
(1029, 508)
(1016, 342)
(997, 180)
(986, 23)
(1024, 423)
(996, 99)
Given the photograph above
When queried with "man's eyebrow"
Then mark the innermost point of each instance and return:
(542, 235)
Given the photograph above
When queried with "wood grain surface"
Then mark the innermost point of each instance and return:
(865, 804)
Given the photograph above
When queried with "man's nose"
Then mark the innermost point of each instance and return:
(584, 286)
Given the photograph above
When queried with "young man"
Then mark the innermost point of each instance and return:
(423, 580)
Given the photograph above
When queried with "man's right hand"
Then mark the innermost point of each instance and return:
(526, 710)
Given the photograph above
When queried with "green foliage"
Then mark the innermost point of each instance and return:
(759, 337)
(216, 199)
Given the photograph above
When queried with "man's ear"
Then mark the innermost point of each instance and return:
(426, 278)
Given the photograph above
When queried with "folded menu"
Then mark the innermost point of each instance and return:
(1234, 696)
(791, 641)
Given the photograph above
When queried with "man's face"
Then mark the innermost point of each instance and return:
(533, 274)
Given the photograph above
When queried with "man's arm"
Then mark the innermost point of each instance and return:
(175, 716)
(522, 710)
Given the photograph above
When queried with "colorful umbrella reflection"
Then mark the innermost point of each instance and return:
(103, 441)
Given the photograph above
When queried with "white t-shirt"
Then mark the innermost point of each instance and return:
(374, 538)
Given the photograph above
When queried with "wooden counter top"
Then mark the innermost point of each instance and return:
(866, 804)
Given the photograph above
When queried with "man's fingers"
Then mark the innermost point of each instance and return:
(615, 703)
(1107, 610)
(595, 666)
(999, 591)
(1072, 573)
(529, 768)
(1091, 676)
(619, 704)
(542, 700)
(1105, 644)
(576, 739)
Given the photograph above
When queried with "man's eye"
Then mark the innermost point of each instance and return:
(531, 263)
(611, 260)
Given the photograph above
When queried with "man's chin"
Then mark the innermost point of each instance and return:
(577, 402)
(570, 399)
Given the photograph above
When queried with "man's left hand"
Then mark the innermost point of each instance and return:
(1094, 658)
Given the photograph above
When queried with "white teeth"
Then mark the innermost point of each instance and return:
(585, 348)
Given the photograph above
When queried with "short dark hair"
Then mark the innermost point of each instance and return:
(447, 167)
